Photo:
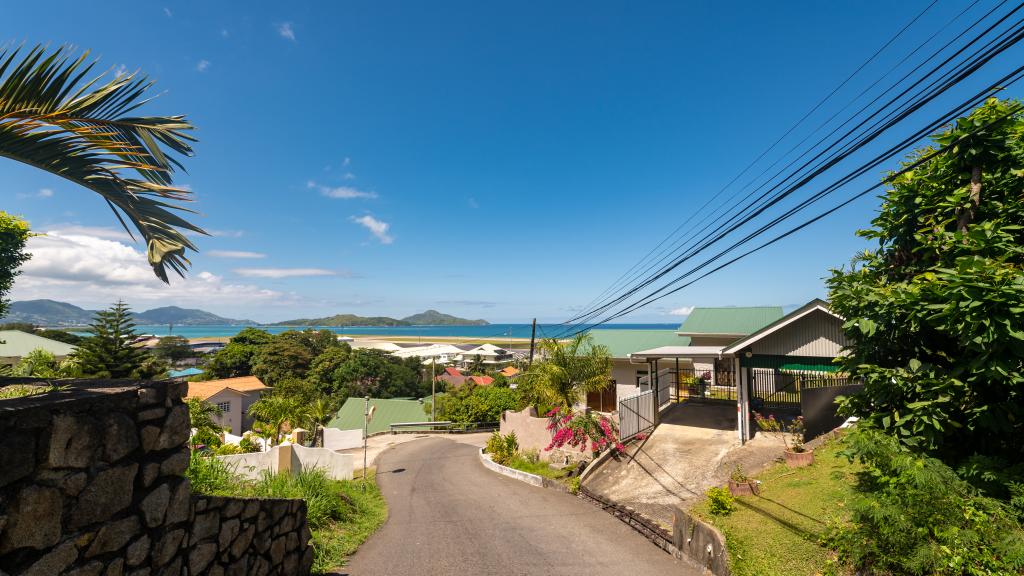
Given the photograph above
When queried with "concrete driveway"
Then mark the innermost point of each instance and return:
(450, 515)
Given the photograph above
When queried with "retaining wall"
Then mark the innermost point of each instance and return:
(91, 483)
(533, 434)
(292, 458)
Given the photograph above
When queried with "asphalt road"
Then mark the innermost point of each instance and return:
(450, 515)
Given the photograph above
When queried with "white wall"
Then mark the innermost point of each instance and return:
(335, 439)
(251, 464)
(338, 466)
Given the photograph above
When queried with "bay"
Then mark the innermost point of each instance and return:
(489, 331)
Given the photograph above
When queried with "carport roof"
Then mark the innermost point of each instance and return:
(680, 352)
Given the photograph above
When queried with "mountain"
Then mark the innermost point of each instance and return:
(48, 313)
(430, 317)
(53, 313)
(435, 318)
(185, 317)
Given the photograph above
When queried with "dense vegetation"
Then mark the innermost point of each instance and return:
(934, 312)
(14, 235)
(108, 351)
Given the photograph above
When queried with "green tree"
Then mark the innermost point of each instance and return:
(41, 363)
(319, 413)
(569, 372)
(201, 416)
(935, 310)
(173, 349)
(273, 411)
(108, 353)
(54, 119)
(315, 341)
(469, 404)
(323, 372)
(282, 358)
(236, 358)
(13, 236)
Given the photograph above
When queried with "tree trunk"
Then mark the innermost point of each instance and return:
(967, 216)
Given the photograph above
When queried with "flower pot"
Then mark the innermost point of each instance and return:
(799, 459)
(748, 488)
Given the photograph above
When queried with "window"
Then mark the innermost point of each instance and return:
(224, 406)
(639, 375)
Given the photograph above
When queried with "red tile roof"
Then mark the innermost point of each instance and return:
(453, 371)
(481, 380)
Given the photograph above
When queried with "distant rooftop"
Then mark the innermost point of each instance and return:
(15, 344)
(208, 388)
(622, 343)
(729, 321)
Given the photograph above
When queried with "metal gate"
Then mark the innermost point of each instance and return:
(776, 382)
(707, 385)
(636, 414)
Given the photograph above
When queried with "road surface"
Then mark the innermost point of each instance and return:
(450, 515)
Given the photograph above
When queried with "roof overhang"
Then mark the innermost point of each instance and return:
(679, 352)
(816, 305)
(710, 334)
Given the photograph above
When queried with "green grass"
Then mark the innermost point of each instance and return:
(539, 468)
(778, 532)
(341, 513)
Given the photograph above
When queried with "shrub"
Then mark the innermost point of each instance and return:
(247, 444)
(502, 448)
(468, 404)
(574, 485)
(914, 515)
(212, 476)
(582, 429)
(720, 501)
(228, 449)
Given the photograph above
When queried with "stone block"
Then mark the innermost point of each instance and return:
(238, 568)
(166, 548)
(150, 396)
(70, 482)
(115, 567)
(292, 541)
(277, 550)
(33, 520)
(150, 472)
(241, 544)
(151, 414)
(114, 535)
(149, 436)
(138, 551)
(175, 430)
(18, 458)
(252, 507)
(55, 561)
(233, 508)
(176, 390)
(260, 567)
(108, 493)
(228, 532)
(176, 464)
(73, 441)
(90, 569)
(290, 564)
(200, 557)
(154, 505)
(120, 437)
(215, 570)
(181, 500)
(140, 572)
(174, 568)
(205, 526)
(307, 561)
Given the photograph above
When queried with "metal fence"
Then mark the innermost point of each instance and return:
(636, 414)
(707, 385)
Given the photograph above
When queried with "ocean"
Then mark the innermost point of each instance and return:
(482, 332)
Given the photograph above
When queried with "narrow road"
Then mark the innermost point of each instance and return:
(450, 515)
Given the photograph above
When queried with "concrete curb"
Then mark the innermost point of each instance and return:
(532, 479)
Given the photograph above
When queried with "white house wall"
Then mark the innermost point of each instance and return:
(817, 334)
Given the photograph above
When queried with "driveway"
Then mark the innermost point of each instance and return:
(450, 515)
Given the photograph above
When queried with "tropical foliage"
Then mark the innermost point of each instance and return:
(569, 372)
(201, 415)
(58, 115)
(108, 351)
(41, 363)
(581, 430)
(13, 236)
(470, 404)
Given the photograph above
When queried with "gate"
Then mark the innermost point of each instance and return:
(777, 382)
(636, 414)
(707, 385)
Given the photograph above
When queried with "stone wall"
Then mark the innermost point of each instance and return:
(91, 484)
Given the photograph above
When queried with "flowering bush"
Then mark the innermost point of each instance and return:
(582, 430)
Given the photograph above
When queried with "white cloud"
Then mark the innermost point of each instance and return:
(41, 193)
(681, 311)
(283, 272)
(202, 66)
(286, 31)
(343, 192)
(167, 12)
(70, 264)
(105, 232)
(377, 227)
(349, 176)
(235, 254)
(120, 70)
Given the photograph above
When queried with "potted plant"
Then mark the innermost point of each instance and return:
(795, 453)
(742, 485)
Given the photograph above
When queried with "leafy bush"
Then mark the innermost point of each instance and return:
(212, 476)
(720, 501)
(247, 444)
(228, 449)
(574, 484)
(520, 462)
(468, 404)
(914, 515)
(502, 448)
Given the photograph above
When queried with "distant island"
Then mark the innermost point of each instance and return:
(54, 313)
(428, 318)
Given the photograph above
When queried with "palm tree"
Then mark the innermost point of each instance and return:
(319, 413)
(274, 411)
(570, 371)
(53, 118)
(201, 414)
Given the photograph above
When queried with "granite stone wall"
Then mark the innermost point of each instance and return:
(91, 484)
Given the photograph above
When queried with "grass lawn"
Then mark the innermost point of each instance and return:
(539, 468)
(335, 541)
(777, 533)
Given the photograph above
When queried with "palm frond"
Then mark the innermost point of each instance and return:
(52, 118)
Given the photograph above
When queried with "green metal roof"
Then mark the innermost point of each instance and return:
(621, 343)
(731, 320)
(15, 343)
(390, 411)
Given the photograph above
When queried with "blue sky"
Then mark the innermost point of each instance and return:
(504, 161)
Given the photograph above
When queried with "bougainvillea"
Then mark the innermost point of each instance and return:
(582, 430)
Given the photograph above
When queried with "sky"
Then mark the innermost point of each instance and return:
(503, 161)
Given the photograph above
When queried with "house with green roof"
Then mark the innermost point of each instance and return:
(15, 344)
(626, 375)
(387, 412)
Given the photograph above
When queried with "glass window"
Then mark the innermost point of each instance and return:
(224, 406)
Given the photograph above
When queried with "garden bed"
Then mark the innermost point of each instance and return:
(778, 532)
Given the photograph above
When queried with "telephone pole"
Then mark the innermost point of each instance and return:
(533, 341)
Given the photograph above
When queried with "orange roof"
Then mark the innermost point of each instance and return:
(204, 390)
(508, 371)
(481, 380)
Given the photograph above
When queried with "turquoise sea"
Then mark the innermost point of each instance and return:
(489, 331)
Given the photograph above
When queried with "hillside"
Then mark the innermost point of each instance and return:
(53, 313)
(430, 317)
(435, 318)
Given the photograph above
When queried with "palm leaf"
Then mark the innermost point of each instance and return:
(52, 118)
